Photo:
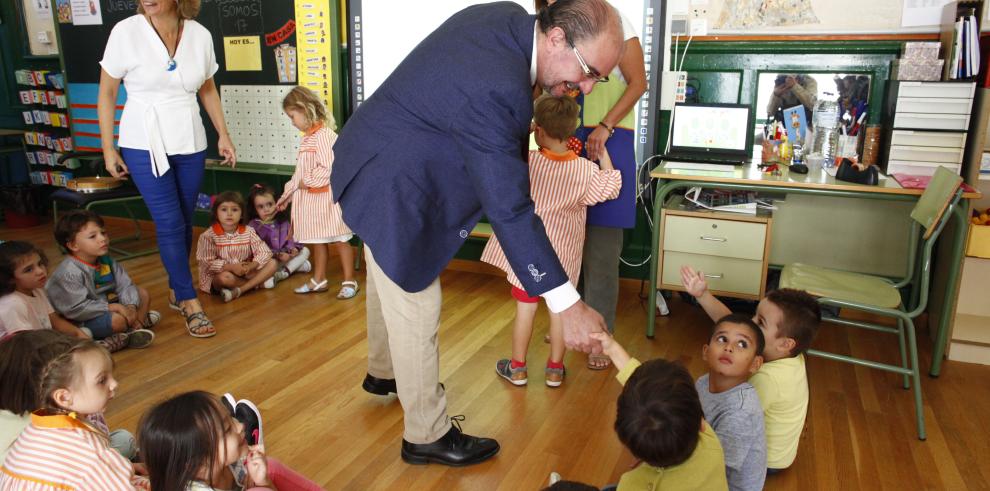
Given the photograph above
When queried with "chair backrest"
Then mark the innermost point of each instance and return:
(936, 198)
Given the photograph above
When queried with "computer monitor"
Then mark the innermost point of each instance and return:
(712, 129)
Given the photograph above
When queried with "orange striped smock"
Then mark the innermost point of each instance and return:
(315, 216)
(61, 452)
(217, 248)
(562, 187)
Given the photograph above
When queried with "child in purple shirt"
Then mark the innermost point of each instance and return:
(276, 230)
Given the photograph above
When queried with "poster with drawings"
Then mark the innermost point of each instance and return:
(313, 50)
(750, 14)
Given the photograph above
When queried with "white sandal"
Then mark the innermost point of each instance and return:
(348, 290)
(313, 287)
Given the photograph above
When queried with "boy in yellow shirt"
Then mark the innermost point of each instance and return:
(789, 320)
(660, 420)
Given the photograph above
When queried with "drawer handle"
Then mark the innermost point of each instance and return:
(715, 276)
(714, 239)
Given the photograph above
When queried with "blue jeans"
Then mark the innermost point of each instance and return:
(171, 199)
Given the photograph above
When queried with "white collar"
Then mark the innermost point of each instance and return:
(532, 65)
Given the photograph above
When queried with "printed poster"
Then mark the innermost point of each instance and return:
(64, 9)
(242, 53)
(42, 9)
(313, 47)
(86, 12)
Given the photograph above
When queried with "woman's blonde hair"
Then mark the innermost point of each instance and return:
(187, 9)
(305, 100)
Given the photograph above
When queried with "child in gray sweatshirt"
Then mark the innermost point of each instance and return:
(91, 289)
(731, 405)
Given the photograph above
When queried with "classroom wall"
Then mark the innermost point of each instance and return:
(835, 16)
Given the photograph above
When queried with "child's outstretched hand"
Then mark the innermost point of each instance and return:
(694, 281)
(257, 466)
(613, 349)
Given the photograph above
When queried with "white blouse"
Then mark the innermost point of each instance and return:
(161, 114)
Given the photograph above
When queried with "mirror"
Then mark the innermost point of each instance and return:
(777, 92)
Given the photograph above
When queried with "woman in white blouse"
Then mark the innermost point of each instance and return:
(164, 59)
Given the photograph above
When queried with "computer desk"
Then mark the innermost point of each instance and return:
(816, 182)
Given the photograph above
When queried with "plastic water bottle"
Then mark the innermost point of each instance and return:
(826, 118)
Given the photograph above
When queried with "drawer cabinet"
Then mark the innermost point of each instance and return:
(730, 249)
(930, 122)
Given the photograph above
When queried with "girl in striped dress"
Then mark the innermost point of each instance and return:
(562, 186)
(67, 445)
(316, 220)
(232, 258)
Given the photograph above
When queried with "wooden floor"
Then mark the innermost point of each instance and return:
(302, 358)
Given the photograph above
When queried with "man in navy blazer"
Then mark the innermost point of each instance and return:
(440, 142)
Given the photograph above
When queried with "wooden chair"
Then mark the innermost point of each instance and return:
(881, 296)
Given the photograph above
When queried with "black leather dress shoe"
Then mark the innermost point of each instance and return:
(379, 386)
(454, 449)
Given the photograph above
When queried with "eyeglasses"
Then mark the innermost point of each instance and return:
(588, 71)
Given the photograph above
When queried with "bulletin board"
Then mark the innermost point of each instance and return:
(383, 32)
(267, 46)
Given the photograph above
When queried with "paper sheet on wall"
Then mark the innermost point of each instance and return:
(313, 48)
(86, 12)
(42, 9)
(243, 53)
(749, 14)
(922, 12)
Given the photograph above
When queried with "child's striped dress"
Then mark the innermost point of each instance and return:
(218, 248)
(315, 217)
(562, 187)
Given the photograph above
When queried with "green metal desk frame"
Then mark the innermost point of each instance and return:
(958, 242)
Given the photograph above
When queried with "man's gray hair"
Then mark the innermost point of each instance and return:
(580, 19)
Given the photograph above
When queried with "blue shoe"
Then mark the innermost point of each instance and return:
(515, 376)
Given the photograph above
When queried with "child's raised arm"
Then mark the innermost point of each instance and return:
(695, 284)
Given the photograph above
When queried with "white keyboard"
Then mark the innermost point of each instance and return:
(697, 166)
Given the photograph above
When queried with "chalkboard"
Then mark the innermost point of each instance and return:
(83, 46)
(271, 22)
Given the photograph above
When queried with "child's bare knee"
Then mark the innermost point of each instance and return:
(118, 322)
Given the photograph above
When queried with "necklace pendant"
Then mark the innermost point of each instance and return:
(171, 65)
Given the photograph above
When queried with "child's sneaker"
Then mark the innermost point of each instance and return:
(248, 414)
(114, 342)
(269, 283)
(515, 376)
(140, 338)
(281, 274)
(227, 401)
(306, 267)
(230, 294)
(151, 320)
(554, 376)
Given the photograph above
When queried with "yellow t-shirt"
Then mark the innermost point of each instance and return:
(704, 470)
(783, 389)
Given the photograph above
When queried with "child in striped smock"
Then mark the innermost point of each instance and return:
(562, 186)
(67, 445)
(232, 258)
(316, 220)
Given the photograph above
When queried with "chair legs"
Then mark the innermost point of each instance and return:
(919, 411)
(900, 341)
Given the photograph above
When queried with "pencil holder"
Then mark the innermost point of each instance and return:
(871, 145)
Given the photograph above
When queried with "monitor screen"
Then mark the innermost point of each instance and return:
(716, 128)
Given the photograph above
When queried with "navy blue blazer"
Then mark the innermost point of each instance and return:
(440, 142)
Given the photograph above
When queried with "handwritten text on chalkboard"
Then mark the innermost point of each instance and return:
(240, 17)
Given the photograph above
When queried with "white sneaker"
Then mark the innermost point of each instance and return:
(269, 283)
(230, 294)
(281, 274)
(306, 267)
(662, 304)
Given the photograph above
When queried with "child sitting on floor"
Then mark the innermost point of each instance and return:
(232, 258)
(789, 320)
(275, 229)
(93, 290)
(730, 403)
(192, 442)
(23, 302)
(660, 420)
(67, 441)
(562, 186)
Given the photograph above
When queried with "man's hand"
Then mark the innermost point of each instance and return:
(694, 281)
(579, 321)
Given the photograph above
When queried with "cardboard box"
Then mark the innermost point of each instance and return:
(921, 51)
(912, 70)
(979, 241)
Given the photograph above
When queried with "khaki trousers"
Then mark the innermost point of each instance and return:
(402, 344)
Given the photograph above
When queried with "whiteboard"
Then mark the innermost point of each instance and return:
(383, 32)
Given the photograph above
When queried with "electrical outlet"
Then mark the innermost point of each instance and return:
(673, 89)
(44, 37)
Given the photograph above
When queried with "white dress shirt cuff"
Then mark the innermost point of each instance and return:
(561, 298)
